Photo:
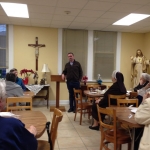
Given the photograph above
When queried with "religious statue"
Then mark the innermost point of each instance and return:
(36, 46)
(35, 78)
(139, 65)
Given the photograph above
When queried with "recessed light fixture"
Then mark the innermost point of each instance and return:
(131, 19)
(15, 10)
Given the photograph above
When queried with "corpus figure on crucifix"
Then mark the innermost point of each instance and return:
(36, 46)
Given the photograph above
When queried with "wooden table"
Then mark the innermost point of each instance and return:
(84, 87)
(125, 116)
(35, 118)
(90, 94)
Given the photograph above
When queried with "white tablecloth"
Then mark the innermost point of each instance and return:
(34, 88)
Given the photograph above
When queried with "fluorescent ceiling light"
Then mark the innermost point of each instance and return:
(15, 10)
(131, 19)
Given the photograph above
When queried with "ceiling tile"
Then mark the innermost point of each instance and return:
(47, 2)
(143, 10)
(95, 5)
(40, 16)
(114, 15)
(63, 23)
(39, 21)
(90, 13)
(40, 25)
(84, 19)
(61, 11)
(142, 2)
(41, 9)
(105, 20)
(63, 17)
(125, 8)
(72, 3)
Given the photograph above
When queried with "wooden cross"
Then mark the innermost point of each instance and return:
(36, 46)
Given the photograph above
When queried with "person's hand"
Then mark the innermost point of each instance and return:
(147, 86)
(32, 130)
(131, 57)
(141, 82)
(63, 77)
(97, 100)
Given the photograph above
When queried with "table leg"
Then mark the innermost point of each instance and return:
(133, 138)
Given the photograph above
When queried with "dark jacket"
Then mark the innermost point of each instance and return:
(73, 72)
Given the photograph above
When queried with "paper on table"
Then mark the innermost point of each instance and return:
(93, 92)
(134, 110)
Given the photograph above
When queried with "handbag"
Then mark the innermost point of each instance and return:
(49, 135)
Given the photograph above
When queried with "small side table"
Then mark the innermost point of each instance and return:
(38, 88)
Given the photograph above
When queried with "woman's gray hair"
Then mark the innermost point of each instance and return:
(2, 89)
(114, 74)
(146, 76)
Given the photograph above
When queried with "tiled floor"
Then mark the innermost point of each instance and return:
(71, 135)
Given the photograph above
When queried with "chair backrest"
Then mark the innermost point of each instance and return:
(93, 86)
(78, 97)
(126, 102)
(133, 95)
(57, 117)
(104, 126)
(16, 101)
(112, 97)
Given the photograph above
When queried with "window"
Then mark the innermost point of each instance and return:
(75, 41)
(104, 56)
(3, 47)
(3, 50)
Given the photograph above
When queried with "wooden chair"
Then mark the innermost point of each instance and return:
(111, 133)
(133, 95)
(16, 100)
(81, 107)
(57, 117)
(112, 97)
(126, 102)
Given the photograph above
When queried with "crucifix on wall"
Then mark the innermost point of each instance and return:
(36, 46)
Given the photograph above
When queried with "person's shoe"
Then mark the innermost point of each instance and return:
(70, 110)
(94, 128)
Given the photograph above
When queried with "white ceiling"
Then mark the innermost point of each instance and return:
(84, 14)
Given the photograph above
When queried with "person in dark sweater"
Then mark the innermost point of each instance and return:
(13, 134)
(18, 80)
(118, 88)
(73, 73)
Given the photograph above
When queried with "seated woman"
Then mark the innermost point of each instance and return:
(13, 134)
(18, 80)
(144, 79)
(142, 116)
(12, 89)
(118, 88)
(146, 87)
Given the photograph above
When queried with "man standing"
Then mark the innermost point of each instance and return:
(73, 73)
